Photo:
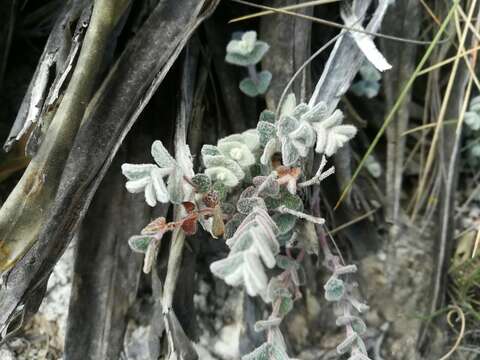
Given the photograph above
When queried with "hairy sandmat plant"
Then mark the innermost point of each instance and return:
(258, 197)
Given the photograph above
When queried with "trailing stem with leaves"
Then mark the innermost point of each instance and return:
(249, 194)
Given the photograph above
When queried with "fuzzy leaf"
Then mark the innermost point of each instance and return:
(331, 135)
(366, 88)
(267, 116)
(139, 243)
(286, 305)
(210, 150)
(263, 325)
(291, 201)
(232, 225)
(246, 205)
(267, 185)
(255, 279)
(285, 222)
(276, 288)
(251, 58)
(285, 263)
(161, 155)
(266, 131)
(254, 87)
(222, 175)
(288, 106)
(260, 353)
(316, 113)
(245, 45)
(286, 126)
(334, 289)
(273, 146)
(220, 189)
(227, 266)
(222, 161)
(347, 344)
(202, 182)
(237, 152)
(290, 153)
(303, 138)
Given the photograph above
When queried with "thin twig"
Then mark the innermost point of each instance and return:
(334, 24)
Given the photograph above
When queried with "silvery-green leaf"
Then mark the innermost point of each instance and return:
(202, 182)
(472, 119)
(161, 155)
(254, 87)
(248, 87)
(236, 277)
(137, 186)
(290, 154)
(475, 104)
(373, 166)
(347, 344)
(158, 186)
(285, 222)
(316, 113)
(286, 125)
(222, 175)
(266, 131)
(210, 150)
(248, 192)
(286, 305)
(266, 185)
(334, 289)
(245, 45)
(238, 152)
(369, 72)
(277, 288)
(303, 138)
(251, 58)
(366, 88)
(331, 135)
(150, 196)
(277, 353)
(263, 325)
(139, 243)
(357, 324)
(265, 249)
(285, 263)
(347, 269)
(256, 280)
(268, 116)
(220, 189)
(175, 186)
(246, 205)
(300, 109)
(289, 104)
(137, 171)
(291, 201)
(224, 267)
(359, 306)
(232, 225)
(277, 339)
(358, 355)
(272, 147)
(241, 241)
(223, 161)
(251, 139)
(260, 353)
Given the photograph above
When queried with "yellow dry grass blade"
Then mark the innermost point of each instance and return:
(449, 60)
(441, 116)
(290, 7)
(399, 101)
